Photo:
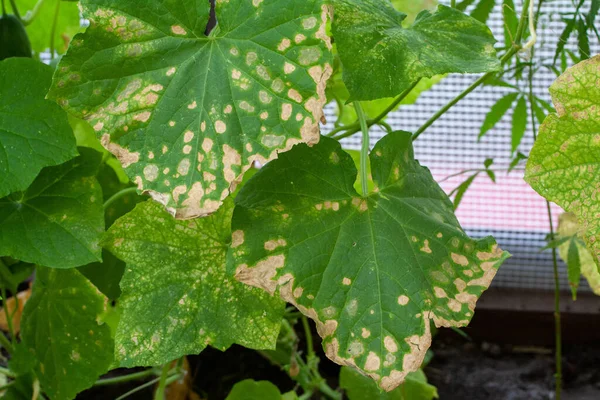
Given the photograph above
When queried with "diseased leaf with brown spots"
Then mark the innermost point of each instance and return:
(371, 271)
(176, 296)
(564, 163)
(186, 113)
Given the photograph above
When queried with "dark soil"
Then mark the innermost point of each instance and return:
(484, 371)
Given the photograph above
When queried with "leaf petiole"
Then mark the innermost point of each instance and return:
(118, 195)
(364, 152)
(126, 378)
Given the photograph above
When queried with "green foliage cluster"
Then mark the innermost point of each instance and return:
(145, 101)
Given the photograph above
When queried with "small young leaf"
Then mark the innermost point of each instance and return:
(511, 22)
(519, 123)
(539, 113)
(463, 5)
(583, 42)
(564, 162)
(483, 10)
(254, 390)
(374, 47)
(185, 301)
(488, 162)
(34, 132)
(515, 161)
(591, 17)
(462, 189)
(301, 230)
(359, 387)
(188, 113)
(496, 113)
(57, 222)
(547, 106)
(563, 39)
(491, 174)
(61, 332)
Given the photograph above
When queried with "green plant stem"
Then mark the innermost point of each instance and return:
(522, 22)
(451, 104)
(169, 380)
(162, 383)
(53, 31)
(9, 321)
(466, 171)
(329, 392)
(6, 372)
(310, 350)
(118, 195)
(15, 9)
(307, 395)
(355, 127)
(125, 378)
(4, 342)
(3, 8)
(364, 152)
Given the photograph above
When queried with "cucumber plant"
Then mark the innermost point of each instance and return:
(127, 184)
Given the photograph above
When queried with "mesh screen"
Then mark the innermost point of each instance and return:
(509, 210)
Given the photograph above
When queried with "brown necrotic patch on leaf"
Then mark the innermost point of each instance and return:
(211, 108)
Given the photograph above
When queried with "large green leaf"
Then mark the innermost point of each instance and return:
(187, 114)
(382, 59)
(372, 272)
(564, 163)
(57, 222)
(61, 331)
(40, 31)
(34, 132)
(359, 387)
(176, 296)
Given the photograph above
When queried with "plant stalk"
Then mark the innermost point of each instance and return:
(310, 350)
(364, 152)
(125, 378)
(162, 383)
